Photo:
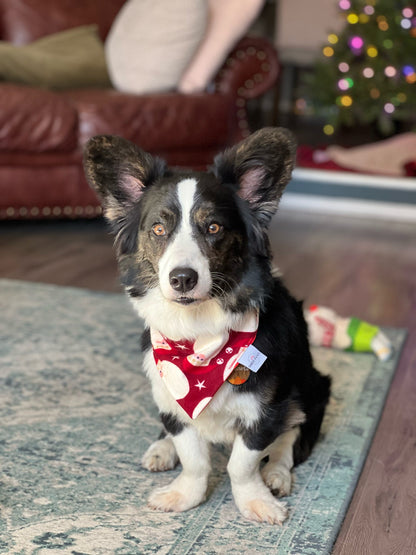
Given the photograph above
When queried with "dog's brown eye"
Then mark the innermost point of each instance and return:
(214, 228)
(159, 230)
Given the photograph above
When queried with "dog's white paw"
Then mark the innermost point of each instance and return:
(277, 478)
(260, 506)
(160, 456)
(170, 500)
(181, 495)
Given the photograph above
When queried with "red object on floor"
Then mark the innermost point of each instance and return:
(306, 159)
(410, 169)
(309, 157)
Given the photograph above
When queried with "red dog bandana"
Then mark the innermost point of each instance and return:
(194, 371)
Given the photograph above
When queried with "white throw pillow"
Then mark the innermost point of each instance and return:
(151, 43)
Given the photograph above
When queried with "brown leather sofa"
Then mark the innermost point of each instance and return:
(42, 132)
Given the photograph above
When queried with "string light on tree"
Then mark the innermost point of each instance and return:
(328, 51)
(356, 44)
(353, 18)
(346, 100)
(372, 51)
(329, 129)
(368, 72)
(345, 84)
(390, 71)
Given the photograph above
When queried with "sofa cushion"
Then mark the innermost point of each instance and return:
(70, 59)
(151, 43)
(34, 120)
(155, 122)
(23, 21)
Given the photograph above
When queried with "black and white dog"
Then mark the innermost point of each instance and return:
(225, 345)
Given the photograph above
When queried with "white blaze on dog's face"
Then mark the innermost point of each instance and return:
(192, 241)
(184, 273)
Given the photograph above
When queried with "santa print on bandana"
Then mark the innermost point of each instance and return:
(194, 371)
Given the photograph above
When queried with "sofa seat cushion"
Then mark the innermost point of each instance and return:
(35, 120)
(156, 123)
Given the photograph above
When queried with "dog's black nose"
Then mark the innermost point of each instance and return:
(183, 279)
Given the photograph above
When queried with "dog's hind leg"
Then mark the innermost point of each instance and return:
(161, 455)
(276, 472)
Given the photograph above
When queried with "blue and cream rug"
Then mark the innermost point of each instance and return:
(76, 415)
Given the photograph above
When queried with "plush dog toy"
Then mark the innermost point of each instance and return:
(327, 329)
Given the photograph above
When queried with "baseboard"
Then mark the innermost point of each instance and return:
(351, 194)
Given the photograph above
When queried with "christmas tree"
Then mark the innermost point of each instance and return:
(367, 73)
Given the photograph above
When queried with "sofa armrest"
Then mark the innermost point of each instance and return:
(251, 69)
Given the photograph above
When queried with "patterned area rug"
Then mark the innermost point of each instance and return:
(77, 414)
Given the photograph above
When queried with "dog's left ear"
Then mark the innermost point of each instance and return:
(261, 167)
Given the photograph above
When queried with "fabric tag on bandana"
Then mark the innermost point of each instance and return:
(252, 358)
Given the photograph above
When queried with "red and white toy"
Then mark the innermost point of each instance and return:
(327, 329)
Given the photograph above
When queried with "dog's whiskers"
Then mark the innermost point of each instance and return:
(222, 285)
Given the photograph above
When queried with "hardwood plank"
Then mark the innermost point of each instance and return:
(382, 514)
(65, 253)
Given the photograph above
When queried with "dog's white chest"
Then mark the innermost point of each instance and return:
(218, 421)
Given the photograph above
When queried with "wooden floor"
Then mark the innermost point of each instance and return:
(357, 268)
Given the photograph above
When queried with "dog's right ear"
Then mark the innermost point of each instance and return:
(119, 171)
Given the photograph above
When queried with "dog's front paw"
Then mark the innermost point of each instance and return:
(160, 456)
(259, 505)
(278, 478)
(170, 500)
(181, 495)
(261, 510)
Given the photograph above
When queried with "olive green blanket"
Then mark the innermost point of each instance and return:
(70, 59)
